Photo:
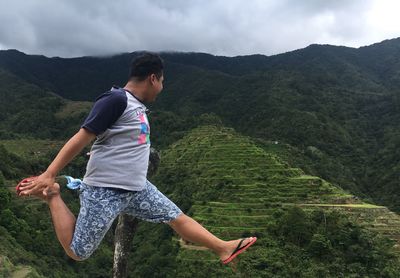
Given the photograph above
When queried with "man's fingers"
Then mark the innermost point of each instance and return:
(30, 192)
(25, 193)
(26, 185)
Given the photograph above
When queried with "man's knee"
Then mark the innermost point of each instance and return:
(181, 217)
(78, 254)
(75, 257)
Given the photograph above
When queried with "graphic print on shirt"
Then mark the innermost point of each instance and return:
(144, 137)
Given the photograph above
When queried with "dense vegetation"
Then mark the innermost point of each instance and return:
(28, 111)
(340, 105)
(201, 173)
(332, 111)
(235, 188)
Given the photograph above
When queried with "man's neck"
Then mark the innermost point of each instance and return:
(137, 89)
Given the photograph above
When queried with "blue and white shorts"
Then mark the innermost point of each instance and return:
(100, 206)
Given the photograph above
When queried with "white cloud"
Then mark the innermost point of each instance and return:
(383, 21)
(236, 27)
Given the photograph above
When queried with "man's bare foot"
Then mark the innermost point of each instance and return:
(49, 192)
(238, 246)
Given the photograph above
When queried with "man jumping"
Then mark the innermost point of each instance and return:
(115, 180)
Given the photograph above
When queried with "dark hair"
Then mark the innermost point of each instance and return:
(146, 64)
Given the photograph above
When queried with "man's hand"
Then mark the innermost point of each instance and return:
(74, 146)
(36, 185)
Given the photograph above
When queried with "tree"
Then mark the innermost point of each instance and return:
(5, 198)
(126, 228)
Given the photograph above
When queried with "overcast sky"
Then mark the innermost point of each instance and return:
(70, 28)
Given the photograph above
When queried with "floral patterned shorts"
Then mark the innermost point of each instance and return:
(100, 206)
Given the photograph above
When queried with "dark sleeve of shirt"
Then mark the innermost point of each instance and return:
(105, 112)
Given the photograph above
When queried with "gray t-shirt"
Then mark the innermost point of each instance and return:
(120, 155)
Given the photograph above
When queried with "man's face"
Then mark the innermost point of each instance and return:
(157, 86)
(160, 84)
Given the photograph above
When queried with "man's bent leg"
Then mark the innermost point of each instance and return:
(63, 222)
(99, 208)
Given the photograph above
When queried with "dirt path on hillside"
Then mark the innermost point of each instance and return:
(21, 273)
(191, 246)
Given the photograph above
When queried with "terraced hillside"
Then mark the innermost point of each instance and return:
(237, 188)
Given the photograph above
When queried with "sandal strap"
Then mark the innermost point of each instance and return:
(239, 246)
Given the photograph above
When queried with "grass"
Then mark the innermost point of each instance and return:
(30, 147)
(74, 108)
(364, 205)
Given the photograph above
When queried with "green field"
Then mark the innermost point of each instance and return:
(27, 148)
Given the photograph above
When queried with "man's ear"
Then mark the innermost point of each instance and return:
(153, 78)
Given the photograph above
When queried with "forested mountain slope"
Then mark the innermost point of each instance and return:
(236, 188)
(342, 103)
(232, 186)
(315, 128)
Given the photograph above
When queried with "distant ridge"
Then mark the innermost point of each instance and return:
(69, 77)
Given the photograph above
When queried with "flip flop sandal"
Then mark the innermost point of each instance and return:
(239, 249)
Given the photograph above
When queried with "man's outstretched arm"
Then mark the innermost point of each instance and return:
(72, 148)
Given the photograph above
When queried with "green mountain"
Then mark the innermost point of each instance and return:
(315, 128)
(30, 111)
(235, 188)
(342, 102)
